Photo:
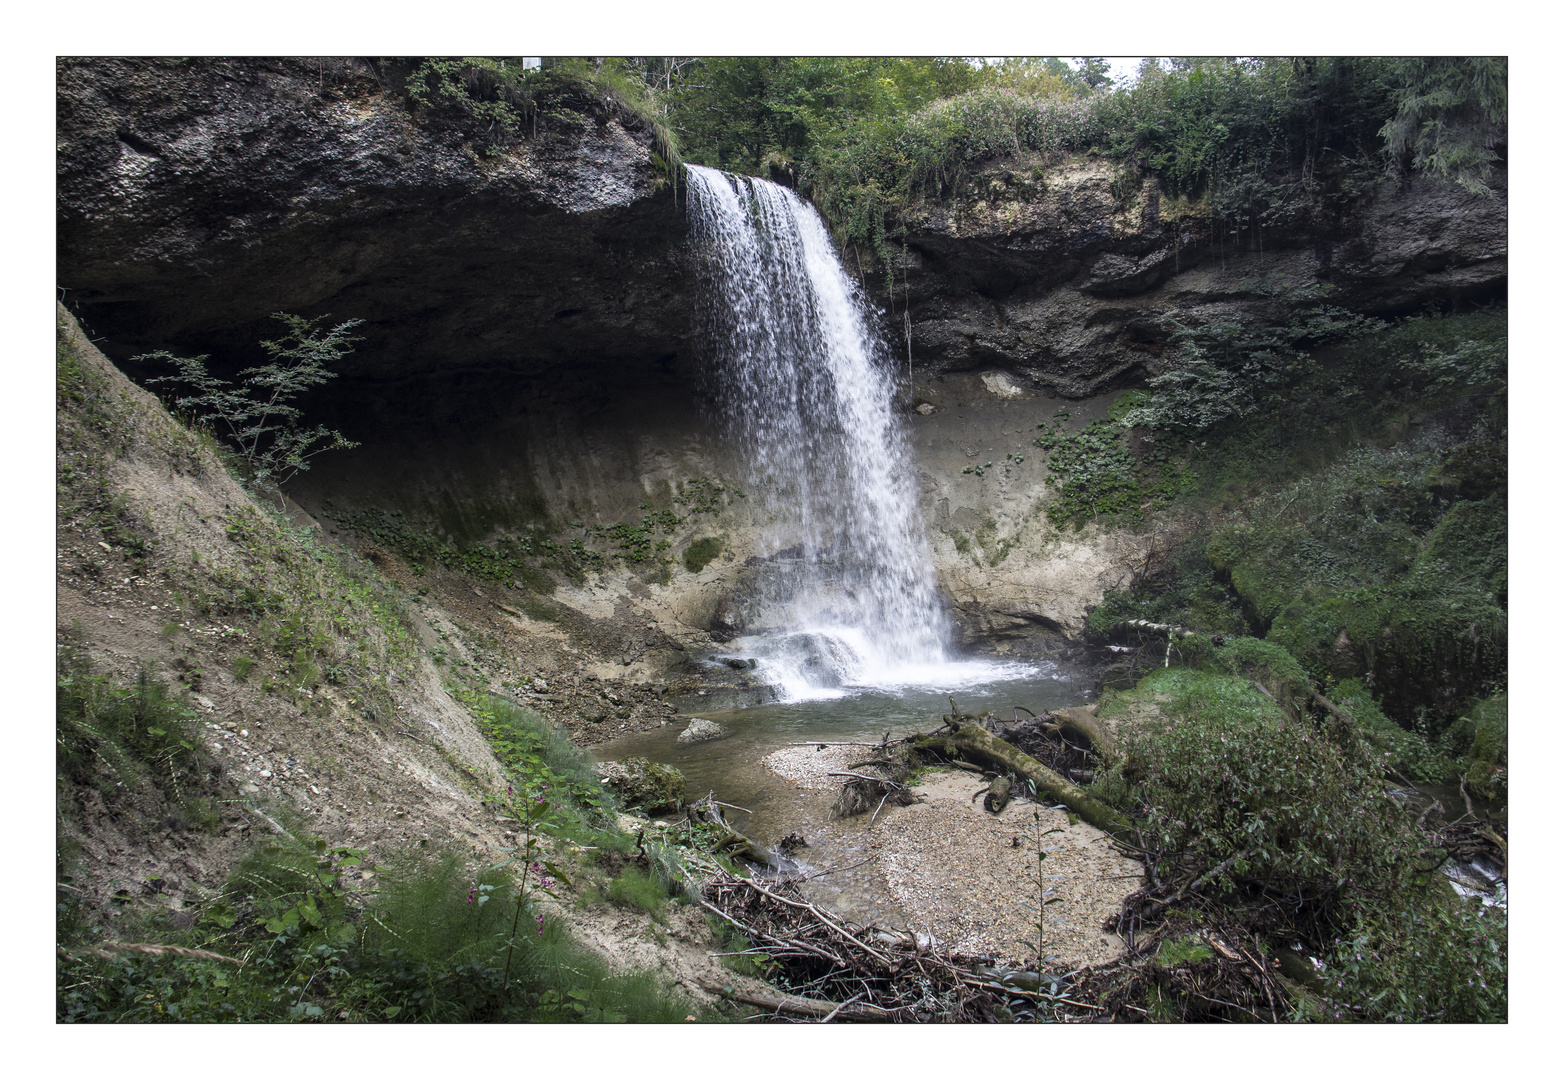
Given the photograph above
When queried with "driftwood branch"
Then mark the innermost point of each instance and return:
(973, 742)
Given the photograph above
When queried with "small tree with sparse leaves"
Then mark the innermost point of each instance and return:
(257, 416)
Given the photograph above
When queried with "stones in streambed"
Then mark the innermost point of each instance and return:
(654, 788)
(700, 730)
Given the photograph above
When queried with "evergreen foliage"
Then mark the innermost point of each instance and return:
(1451, 118)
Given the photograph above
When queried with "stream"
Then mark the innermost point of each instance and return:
(732, 767)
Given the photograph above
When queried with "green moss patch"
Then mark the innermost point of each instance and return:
(700, 554)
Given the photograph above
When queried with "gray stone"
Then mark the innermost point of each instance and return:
(700, 730)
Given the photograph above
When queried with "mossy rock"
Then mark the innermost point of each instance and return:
(1490, 751)
(657, 789)
(1268, 664)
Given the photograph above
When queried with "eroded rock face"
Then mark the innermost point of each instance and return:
(1065, 276)
(196, 198)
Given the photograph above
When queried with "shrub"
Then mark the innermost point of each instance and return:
(430, 943)
(1488, 758)
(1423, 958)
(258, 416)
(1222, 774)
(699, 554)
(1224, 370)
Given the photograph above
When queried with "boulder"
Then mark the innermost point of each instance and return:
(701, 730)
(654, 788)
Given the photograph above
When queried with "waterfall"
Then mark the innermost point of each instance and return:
(847, 595)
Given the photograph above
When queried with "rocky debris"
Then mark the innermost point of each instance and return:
(700, 730)
(810, 767)
(959, 872)
(637, 781)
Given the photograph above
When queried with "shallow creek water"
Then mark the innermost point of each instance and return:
(732, 768)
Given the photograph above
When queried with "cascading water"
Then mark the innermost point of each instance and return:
(847, 597)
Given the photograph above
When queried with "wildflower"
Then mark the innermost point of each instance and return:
(472, 894)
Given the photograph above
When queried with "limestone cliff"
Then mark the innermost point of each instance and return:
(1064, 275)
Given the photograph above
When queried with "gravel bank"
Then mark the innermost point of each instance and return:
(961, 874)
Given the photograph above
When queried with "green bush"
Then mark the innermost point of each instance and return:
(699, 554)
(498, 102)
(1225, 370)
(1223, 774)
(1431, 353)
(1487, 760)
(1423, 958)
(430, 942)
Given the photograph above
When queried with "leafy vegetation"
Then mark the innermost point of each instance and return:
(1288, 826)
(1450, 119)
(699, 554)
(434, 939)
(1366, 540)
(258, 417)
(1094, 472)
(121, 736)
(1245, 145)
(1236, 786)
(498, 102)
(538, 756)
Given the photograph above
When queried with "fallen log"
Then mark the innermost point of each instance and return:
(1083, 724)
(998, 796)
(972, 742)
(798, 1006)
(708, 811)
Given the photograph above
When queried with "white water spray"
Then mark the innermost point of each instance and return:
(847, 598)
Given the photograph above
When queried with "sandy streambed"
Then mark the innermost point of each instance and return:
(946, 867)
